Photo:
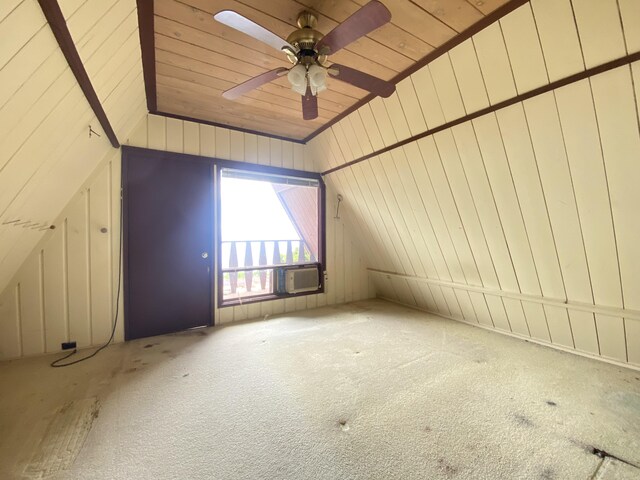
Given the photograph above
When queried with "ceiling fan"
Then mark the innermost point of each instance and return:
(307, 49)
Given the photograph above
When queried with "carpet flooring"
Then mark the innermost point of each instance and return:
(369, 390)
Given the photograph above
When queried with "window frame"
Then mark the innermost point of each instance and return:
(269, 170)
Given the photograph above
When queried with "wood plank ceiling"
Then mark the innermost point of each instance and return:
(197, 58)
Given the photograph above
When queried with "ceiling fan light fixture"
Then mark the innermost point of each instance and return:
(298, 76)
(300, 89)
(317, 78)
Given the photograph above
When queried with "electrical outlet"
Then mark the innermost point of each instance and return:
(68, 345)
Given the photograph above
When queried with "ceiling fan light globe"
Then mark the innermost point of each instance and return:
(317, 77)
(300, 89)
(297, 76)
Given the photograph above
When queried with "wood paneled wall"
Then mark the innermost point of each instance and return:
(66, 289)
(523, 220)
(46, 153)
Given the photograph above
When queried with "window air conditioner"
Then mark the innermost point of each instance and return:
(297, 280)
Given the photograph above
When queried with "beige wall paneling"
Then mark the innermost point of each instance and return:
(523, 47)
(630, 13)
(38, 50)
(558, 37)
(485, 205)
(515, 314)
(339, 274)
(584, 153)
(439, 268)
(10, 334)
(494, 63)
(236, 147)
(31, 311)
(469, 77)
(403, 292)
(482, 310)
(352, 197)
(452, 302)
(410, 107)
(359, 215)
(434, 212)
(464, 300)
(549, 148)
(395, 220)
(536, 320)
(427, 294)
(524, 170)
(300, 160)
(287, 157)
(191, 138)
(632, 330)
(383, 122)
(18, 27)
(7, 7)
(427, 97)
(418, 295)
(360, 133)
(585, 336)
(438, 297)
(593, 20)
(223, 146)
(366, 173)
(347, 185)
(78, 268)
(275, 149)
(351, 208)
(619, 132)
(55, 290)
(611, 336)
(397, 116)
(157, 133)
(100, 256)
(388, 249)
(446, 86)
(498, 312)
(369, 122)
(423, 263)
(208, 142)
(454, 224)
(466, 208)
(175, 141)
(559, 327)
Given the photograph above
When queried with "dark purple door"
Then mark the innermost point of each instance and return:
(168, 231)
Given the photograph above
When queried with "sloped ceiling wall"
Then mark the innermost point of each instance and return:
(523, 220)
(46, 153)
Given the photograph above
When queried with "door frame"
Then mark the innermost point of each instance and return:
(215, 164)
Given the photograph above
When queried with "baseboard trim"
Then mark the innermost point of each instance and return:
(617, 363)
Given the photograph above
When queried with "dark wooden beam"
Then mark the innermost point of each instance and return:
(58, 25)
(605, 67)
(146, 31)
(441, 50)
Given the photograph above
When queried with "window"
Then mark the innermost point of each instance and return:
(270, 235)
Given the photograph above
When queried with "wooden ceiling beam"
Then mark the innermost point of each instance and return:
(58, 25)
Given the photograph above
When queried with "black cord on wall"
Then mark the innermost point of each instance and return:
(56, 363)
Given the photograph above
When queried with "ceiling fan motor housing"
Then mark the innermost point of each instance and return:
(306, 38)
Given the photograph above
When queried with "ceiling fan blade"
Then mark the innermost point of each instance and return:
(362, 80)
(254, 82)
(309, 106)
(373, 15)
(242, 24)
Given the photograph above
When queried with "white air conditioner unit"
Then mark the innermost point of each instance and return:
(298, 280)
